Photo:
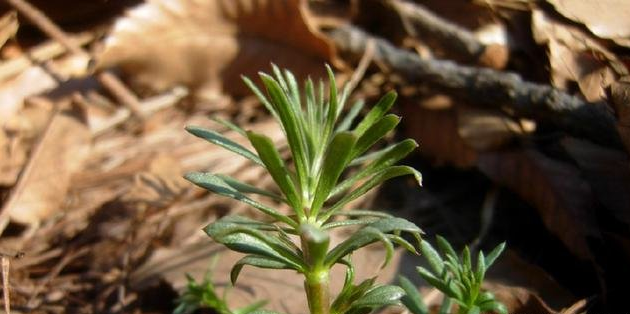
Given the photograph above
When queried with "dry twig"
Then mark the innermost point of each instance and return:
(108, 80)
(501, 90)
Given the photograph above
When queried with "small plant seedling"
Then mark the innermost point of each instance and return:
(203, 295)
(322, 147)
(456, 278)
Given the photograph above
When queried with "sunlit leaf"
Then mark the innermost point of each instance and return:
(291, 124)
(217, 185)
(248, 188)
(379, 296)
(335, 161)
(220, 140)
(345, 124)
(412, 299)
(256, 261)
(276, 167)
(377, 131)
(379, 110)
(388, 158)
(492, 256)
(251, 241)
(375, 180)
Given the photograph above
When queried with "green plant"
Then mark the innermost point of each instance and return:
(322, 148)
(203, 295)
(454, 276)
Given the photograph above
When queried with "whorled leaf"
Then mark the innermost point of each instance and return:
(256, 261)
(375, 180)
(412, 299)
(379, 110)
(245, 239)
(217, 185)
(220, 140)
(335, 161)
(276, 167)
(371, 233)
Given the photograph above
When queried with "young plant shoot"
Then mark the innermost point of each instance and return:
(455, 276)
(322, 147)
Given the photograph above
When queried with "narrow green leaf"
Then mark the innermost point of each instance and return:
(481, 268)
(466, 261)
(432, 256)
(249, 309)
(335, 161)
(230, 125)
(445, 308)
(292, 126)
(378, 178)
(492, 256)
(362, 213)
(248, 188)
(434, 281)
(331, 113)
(373, 232)
(261, 97)
(256, 261)
(220, 140)
(390, 157)
(359, 239)
(377, 131)
(346, 123)
(294, 89)
(217, 185)
(380, 296)
(445, 247)
(379, 110)
(276, 167)
(412, 299)
(493, 306)
(251, 241)
(402, 242)
(473, 310)
(350, 222)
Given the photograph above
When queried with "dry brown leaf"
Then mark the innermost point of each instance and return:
(556, 189)
(574, 57)
(8, 27)
(605, 18)
(207, 45)
(485, 130)
(30, 82)
(436, 130)
(42, 187)
(17, 137)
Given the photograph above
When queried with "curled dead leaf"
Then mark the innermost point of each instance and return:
(486, 130)
(555, 188)
(575, 57)
(207, 45)
(605, 18)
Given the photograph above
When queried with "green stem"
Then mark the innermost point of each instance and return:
(317, 292)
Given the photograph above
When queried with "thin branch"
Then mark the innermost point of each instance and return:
(108, 80)
(487, 87)
(456, 39)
